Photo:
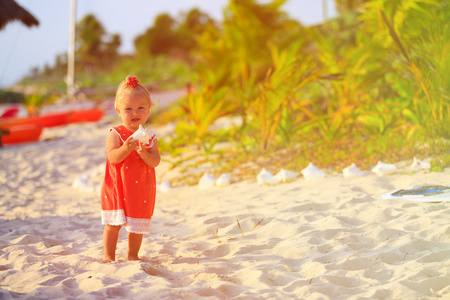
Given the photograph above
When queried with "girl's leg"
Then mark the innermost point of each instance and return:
(134, 244)
(110, 236)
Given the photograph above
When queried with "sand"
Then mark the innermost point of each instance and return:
(328, 238)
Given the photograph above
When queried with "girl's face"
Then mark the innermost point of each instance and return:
(133, 109)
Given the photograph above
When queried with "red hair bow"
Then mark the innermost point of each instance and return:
(132, 81)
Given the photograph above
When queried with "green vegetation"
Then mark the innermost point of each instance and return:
(11, 97)
(370, 85)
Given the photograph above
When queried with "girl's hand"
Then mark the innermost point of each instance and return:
(150, 156)
(130, 144)
(141, 150)
(117, 153)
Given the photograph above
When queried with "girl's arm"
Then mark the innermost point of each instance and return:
(151, 157)
(116, 153)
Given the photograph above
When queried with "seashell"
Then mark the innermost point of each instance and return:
(311, 172)
(223, 180)
(265, 177)
(384, 169)
(81, 184)
(164, 187)
(206, 181)
(418, 165)
(86, 182)
(285, 175)
(143, 135)
(352, 171)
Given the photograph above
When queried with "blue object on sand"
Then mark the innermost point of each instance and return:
(431, 193)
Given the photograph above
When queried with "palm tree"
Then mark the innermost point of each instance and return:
(11, 11)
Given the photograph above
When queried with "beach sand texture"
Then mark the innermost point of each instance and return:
(329, 238)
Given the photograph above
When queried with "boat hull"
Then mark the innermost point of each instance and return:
(59, 119)
(21, 133)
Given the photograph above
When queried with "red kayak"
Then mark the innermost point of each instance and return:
(87, 115)
(20, 133)
(59, 119)
(50, 120)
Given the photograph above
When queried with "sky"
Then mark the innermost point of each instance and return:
(23, 48)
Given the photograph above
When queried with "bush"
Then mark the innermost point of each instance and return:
(11, 97)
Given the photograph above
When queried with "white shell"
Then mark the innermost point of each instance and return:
(311, 172)
(384, 169)
(265, 177)
(164, 187)
(285, 175)
(81, 183)
(352, 171)
(418, 165)
(223, 180)
(206, 182)
(143, 135)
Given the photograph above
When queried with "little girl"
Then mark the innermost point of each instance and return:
(129, 187)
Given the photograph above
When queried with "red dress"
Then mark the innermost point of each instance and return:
(128, 191)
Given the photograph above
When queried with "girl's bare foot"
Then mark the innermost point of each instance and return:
(133, 258)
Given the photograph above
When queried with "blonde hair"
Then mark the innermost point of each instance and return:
(131, 84)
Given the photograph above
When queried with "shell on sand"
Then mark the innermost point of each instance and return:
(285, 175)
(265, 177)
(418, 165)
(311, 172)
(352, 171)
(164, 187)
(206, 181)
(223, 180)
(384, 169)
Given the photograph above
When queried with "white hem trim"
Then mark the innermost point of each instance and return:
(139, 226)
(113, 217)
(118, 218)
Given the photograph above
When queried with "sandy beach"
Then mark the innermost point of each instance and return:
(327, 238)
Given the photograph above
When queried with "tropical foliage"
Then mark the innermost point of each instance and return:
(169, 37)
(384, 69)
(371, 84)
(95, 49)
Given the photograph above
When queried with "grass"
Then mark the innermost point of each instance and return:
(332, 156)
(235, 151)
